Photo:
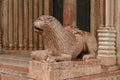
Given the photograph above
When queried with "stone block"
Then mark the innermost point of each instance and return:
(11, 77)
(107, 60)
(110, 68)
(113, 75)
(63, 70)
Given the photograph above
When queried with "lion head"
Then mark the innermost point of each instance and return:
(40, 22)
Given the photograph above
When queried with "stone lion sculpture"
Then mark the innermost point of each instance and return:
(66, 43)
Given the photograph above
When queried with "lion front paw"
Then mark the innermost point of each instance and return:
(87, 57)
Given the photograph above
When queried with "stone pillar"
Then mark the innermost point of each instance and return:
(107, 36)
(107, 13)
(117, 25)
(102, 13)
(106, 46)
(69, 12)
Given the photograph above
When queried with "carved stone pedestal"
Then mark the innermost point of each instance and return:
(63, 70)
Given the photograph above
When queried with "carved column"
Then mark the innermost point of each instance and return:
(112, 13)
(107, 13)
(36, 35)
(40, 13)
(10, 24)
(47, 7)
(16, 22)
(106, 46)
(95, 14)
(5, 23)
(69, 12)
(31, 24)
(117, 25)
(102, 13)
(26, 23)
(21, 22)
(107, 36)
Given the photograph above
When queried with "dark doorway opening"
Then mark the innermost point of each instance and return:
(83, 14)
(58, 10)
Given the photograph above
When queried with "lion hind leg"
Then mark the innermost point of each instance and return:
(91, 45)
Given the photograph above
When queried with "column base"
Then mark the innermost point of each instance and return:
(107, 60)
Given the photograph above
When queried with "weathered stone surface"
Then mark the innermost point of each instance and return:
(63, 70)
(14, 67)
(110, 68)
(106, 39)
(114, 75)
(118, 58)
(107, 60)
(107, 46)
(11, 77)
(106, 31)
(106, 43)
(106, 52)
(106, 34)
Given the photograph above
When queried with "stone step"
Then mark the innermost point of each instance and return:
(114, 75)
(5, 76)
(18, 60)
(14, 66)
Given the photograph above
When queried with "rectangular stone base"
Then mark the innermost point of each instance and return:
(63, 70)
